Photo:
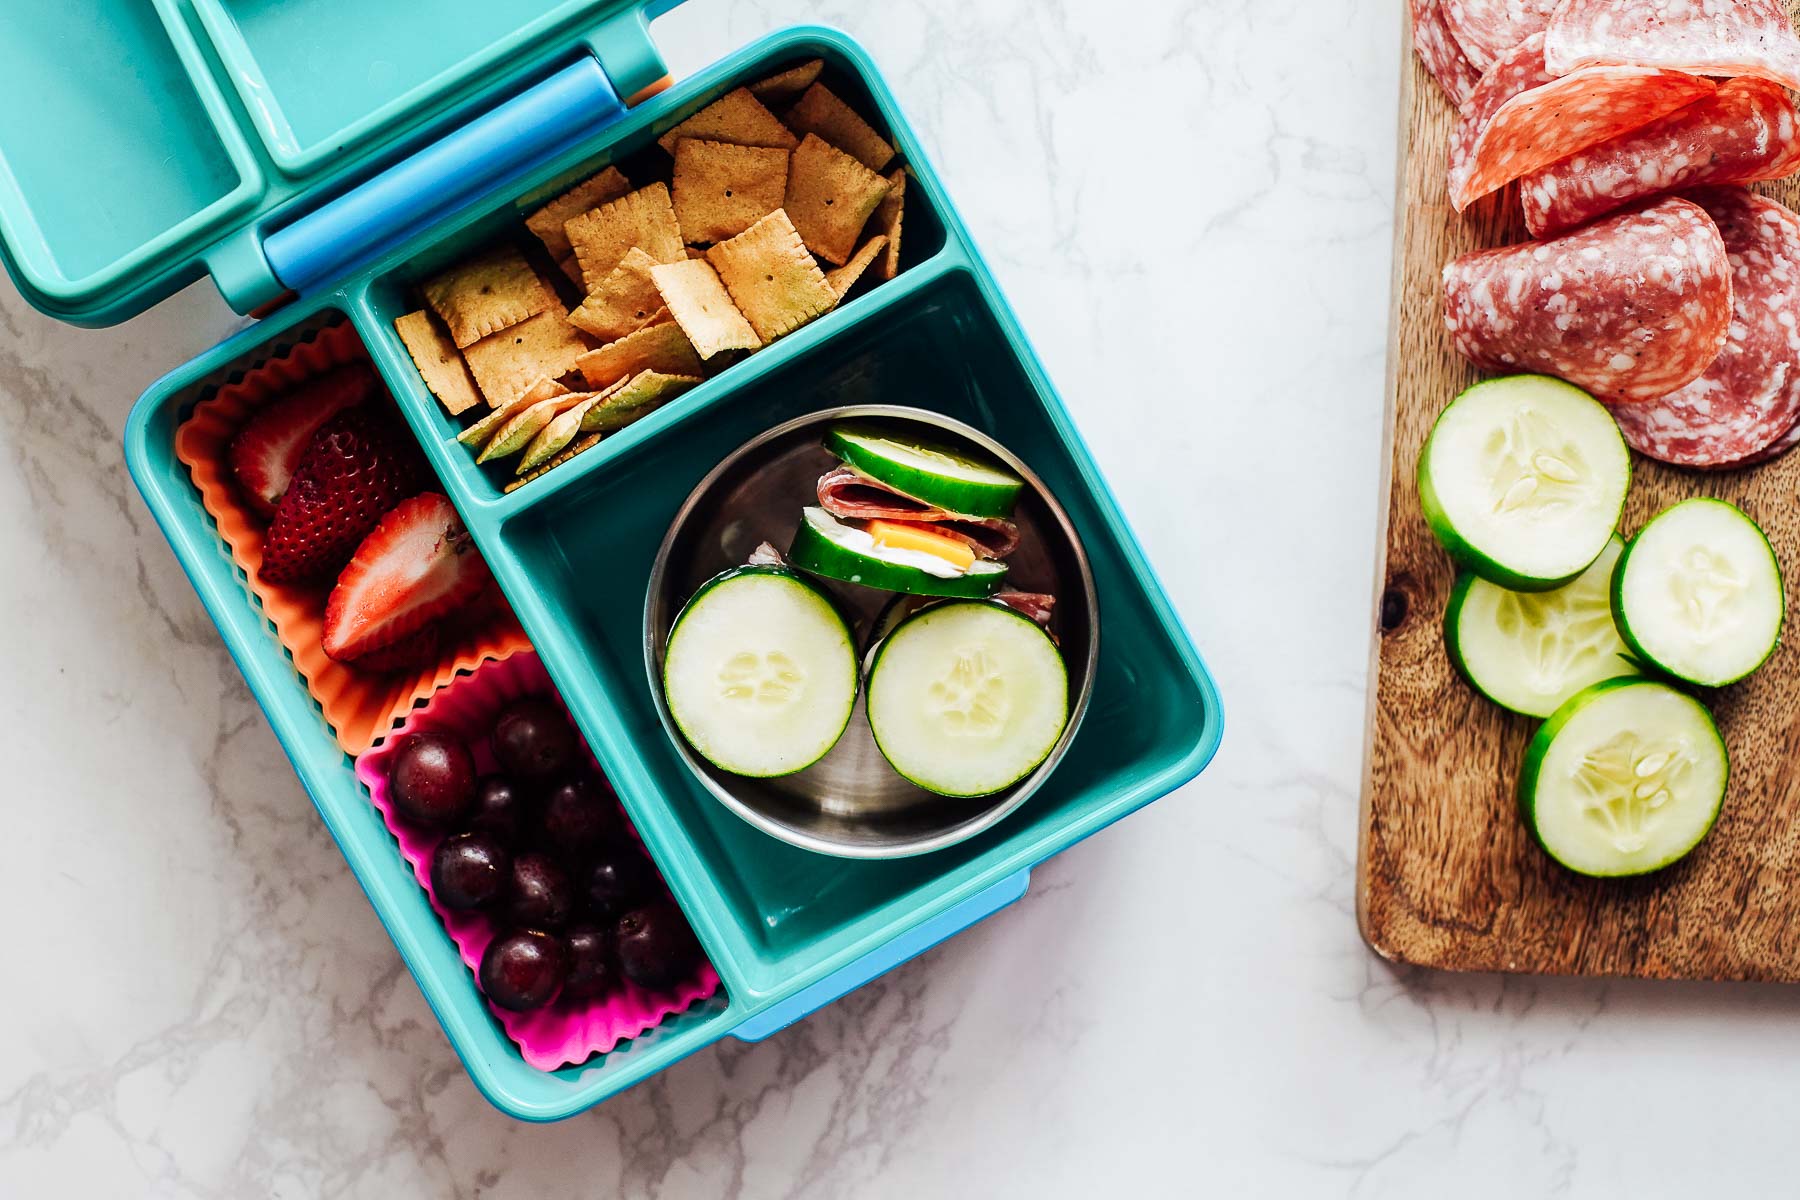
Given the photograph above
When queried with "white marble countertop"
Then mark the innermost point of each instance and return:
(1190, 202)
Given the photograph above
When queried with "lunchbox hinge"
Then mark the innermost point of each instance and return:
(474, 161)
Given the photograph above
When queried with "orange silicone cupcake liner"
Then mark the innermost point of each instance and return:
(360, 706)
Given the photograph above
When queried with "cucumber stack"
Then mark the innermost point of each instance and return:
(1553, 616)
(965, 695)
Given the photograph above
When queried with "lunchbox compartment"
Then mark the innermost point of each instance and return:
(395, 291)
(111, 152)
(578, 561)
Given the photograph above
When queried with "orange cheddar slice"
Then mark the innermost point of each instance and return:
(910, 535)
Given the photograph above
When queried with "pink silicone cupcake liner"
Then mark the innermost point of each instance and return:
(552, 1037)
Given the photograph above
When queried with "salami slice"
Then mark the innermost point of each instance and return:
(1440, 53)
(1631, 307)
(1703, 37)
(1747, 130)
(1486, 29)
(844, 493)
(1521, 118)
(1750, 396)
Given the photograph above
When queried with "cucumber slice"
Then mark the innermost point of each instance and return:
(1625, 778)
(939, 476)
(1698, 593)
(1523, 480)
(1530, 651)
(826, 546)
(966, 699)
(760, 673)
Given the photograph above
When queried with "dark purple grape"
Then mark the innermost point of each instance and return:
(524, 969)
(470, 870)
(534, 740)
(593, 971)
(619, 880)
(656, 947)
(579, 814)
(500, 808)
(541, 895)
(433, 779)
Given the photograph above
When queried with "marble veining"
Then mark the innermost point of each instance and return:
(1190, 203)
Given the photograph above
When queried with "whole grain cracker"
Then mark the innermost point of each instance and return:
(830, 197)
(661, 348)
(845, 277)
(721, 189)
(440, 364)
(478, 433)
(638, 397)
(887, 221)
(513, 436)
(772, 278)
(702, 307)
(547, 222)
(553, 437)
(736, 117)
(580, 444)
(495, 290)
(783, 86)
(820, 111)
(644, 218)
(624, 301)
(508, 364)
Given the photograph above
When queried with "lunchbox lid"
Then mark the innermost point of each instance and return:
(276, 143)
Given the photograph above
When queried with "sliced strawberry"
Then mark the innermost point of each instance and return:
(419, 565)
(361, 463)
(414, 652)
(267, 450)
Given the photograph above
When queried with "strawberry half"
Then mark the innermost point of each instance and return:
(268, 449)
(419, 565)
(414, 652)
(361, 463)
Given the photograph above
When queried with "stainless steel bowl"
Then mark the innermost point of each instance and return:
(852, 803)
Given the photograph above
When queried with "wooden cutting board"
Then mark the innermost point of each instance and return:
(1446, 874)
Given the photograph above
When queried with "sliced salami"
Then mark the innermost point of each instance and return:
(1747, 130)
(844, 493)
(1440, 53)
(1486, 29)
(1703, 37)
(1521, 118)
(1750, 396)
(1631, 307)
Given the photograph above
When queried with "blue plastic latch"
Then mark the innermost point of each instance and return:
(842, 982)
(476, 160)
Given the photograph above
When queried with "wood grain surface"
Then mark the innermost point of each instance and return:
(1447, 875)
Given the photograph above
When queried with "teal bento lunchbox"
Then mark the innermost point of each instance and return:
(318, 158)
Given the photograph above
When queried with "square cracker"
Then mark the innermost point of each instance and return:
(637, 397)
(785, 85)
(547, 222)
(736, 117)
(703, 308)
(510, 363)
(440, 364)
(644, 218)
(625, 300)
(887, 222)
(845, 277)
(662, 348)
(576, 447)
(495, 290)
(830, 197)
(820, 111)
(721, 189)
(772, 279)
